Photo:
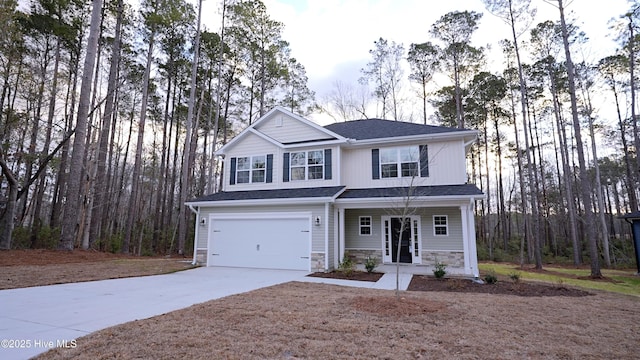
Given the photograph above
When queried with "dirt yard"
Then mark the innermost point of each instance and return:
(26, 268)
(303, 320)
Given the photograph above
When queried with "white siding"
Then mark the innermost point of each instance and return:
(452, 242)
(255, 145)
(447, 166)
(286, 129)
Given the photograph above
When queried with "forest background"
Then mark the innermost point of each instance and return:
(111, 113)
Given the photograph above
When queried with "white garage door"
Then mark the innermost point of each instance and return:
(266, 242)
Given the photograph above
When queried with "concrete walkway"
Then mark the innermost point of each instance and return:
(34, 320)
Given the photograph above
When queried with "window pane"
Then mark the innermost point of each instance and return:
(316, 172)
(316, 157)
(388, 156)
(410, 169)
(390, 170)
(409, 154)
(441, 230)
(298, 159)
(365, 230)
(243, 163)
(257, 176)
(242, 177)
(365, 221)
(297, 173)
(258, 162)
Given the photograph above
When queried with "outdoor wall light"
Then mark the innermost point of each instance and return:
(203, 221)
(317, 220)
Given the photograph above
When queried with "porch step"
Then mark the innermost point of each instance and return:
(388, 281)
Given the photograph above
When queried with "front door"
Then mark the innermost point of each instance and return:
(409, 245)
(403, 246)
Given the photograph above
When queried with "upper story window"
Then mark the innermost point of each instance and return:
(251, 169)
(307, 165)
(399, 162)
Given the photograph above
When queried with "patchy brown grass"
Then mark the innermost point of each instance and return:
(304, 320)
(307, 320)
(26, 268)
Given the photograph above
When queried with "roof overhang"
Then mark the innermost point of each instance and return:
(401, 202)
(468, 136)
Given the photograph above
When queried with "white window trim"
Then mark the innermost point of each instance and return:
(251, 170)
(398, 162)
(306, 165)
(370, 226)
(446, 225)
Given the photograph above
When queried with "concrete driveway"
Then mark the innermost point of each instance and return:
(34, 320)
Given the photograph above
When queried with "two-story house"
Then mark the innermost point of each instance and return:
(297, 195)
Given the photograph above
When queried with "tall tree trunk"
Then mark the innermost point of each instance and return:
(100, 182)
(585, 186)
(37, 219)
(133, 204)
(186, 168)
(70, 221)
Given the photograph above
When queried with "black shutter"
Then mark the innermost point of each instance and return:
(424, 161)
(232, 172)
(327, 164)
(375, 163)
(285, 167)
(269, 172)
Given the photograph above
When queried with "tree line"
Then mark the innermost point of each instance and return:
(110, 116)
(550, 194)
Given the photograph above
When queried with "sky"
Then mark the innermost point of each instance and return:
(332, 38)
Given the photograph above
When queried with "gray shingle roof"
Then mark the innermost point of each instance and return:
(631, 215)
(321, 192)
(438, 190)
(378, 128)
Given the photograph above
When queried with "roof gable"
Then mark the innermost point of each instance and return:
(282, 127)
(368, 129)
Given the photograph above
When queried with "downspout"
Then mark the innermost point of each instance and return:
(196, 234)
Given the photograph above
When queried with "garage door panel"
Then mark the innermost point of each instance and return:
(278, 243)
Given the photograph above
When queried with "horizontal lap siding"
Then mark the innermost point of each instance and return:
(353, 239)
(317, 232)
(452, 242)
(447, 165)
(291, 130)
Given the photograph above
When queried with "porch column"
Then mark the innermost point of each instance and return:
(341, 235)
(464, 216)
(473, 251)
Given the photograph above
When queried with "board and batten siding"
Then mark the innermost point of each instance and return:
(447, 166)
(317, 232)
(452, 242)
(285, 129)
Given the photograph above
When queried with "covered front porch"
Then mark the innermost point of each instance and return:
(431, 230)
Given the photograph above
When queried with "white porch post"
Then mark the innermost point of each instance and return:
(464, 216)
(341, 235)
(473, 251)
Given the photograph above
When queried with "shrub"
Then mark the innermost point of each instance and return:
(490, 277)
(515, 277)
(346, 266)
(439, 270)
(370, 264)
